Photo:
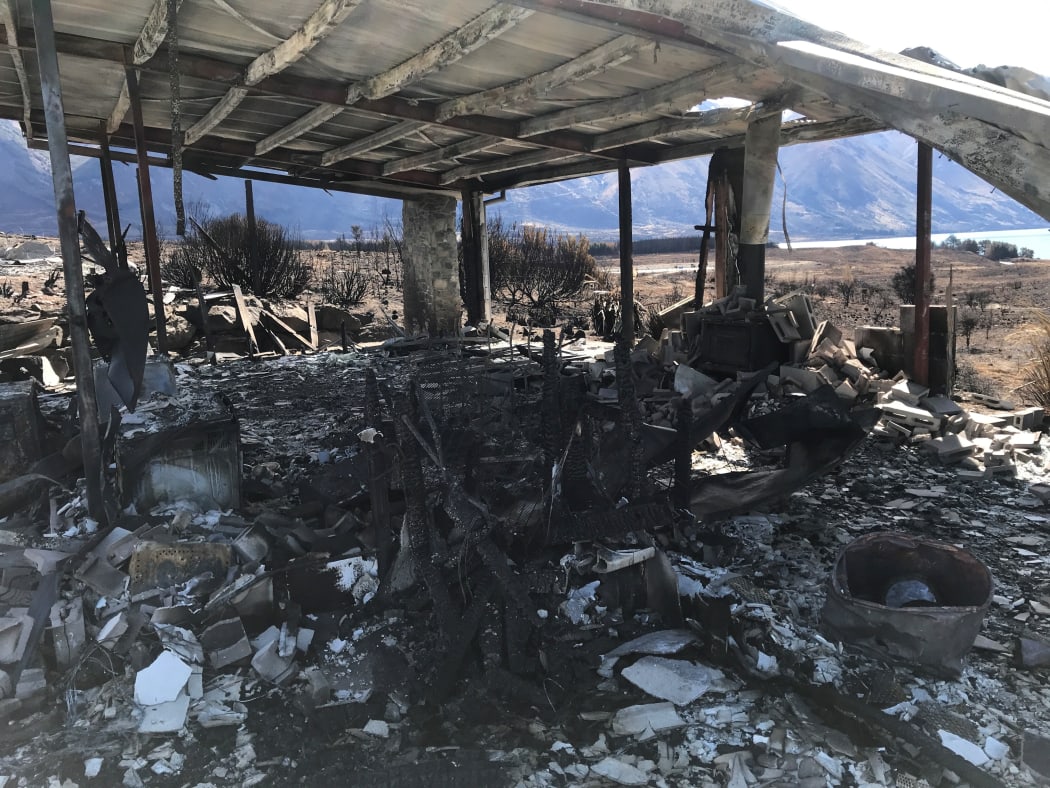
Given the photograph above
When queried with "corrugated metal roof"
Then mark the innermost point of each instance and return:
(398, 96)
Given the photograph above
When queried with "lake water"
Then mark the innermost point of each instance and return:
(1037, 239)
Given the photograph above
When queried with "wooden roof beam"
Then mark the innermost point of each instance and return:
(455, 46)
(321, 22)
(150, 38)
(386, 136)
(597, 61)
(708, 119)
(297, 128)
(669, 97)
(448, 153)
(474, 34)
(504, 164)
(7, 18)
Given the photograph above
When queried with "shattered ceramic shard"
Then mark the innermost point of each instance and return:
(1034, 653)
(995, 749)
(213, 714)
(92, 766)
(963, 748)
(271, 665)
(165, 717)
(620, 772)
(675, 680)
(646, 719)
(377, 728)
(161, 681)
(662, 642)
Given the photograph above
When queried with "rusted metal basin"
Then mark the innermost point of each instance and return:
(912, 600)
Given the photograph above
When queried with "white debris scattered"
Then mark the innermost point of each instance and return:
(676, 680)
(161, 681)
(963, 748)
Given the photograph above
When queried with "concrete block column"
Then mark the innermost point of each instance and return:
(432, 298)
(761, 144)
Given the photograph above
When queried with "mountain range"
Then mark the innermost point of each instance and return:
(859, 187)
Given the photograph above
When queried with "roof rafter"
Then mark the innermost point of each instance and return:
(666, 97)
(384, 137)
(708, 119)
(152, 35)
(456, 45)
(321, 22)
(504, 164)
(7, 18)
(598, 60)
(448, 153)
(311, 120)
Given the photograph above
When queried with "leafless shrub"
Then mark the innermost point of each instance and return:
(535, 272)
(275, 267)
(344, 282)
(1036, 387)
(179, 268)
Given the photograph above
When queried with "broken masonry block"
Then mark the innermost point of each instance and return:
(801, 309)
(21, 438)
(952, 447)
(784, 326)
(187, 451)
(846, 391)
(805, 379)
(940, 405)
(1029, 418)
(907, 391)
(225, 643)
(912, 417)
(1033, 653)
(67, 631)
(14, 635)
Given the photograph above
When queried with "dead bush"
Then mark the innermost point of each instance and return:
(344, 282)
(179, 269)
(277, 267)
(1036, 386)
(535, 272)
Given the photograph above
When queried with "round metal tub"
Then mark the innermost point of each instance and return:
(934, 628)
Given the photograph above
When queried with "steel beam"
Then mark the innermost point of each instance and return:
(626, 255)
(62, 177)
(923, 226)
(149, 222)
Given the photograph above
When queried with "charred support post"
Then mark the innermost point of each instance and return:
(253, 238)
(432, 300)
(149, 222)
(923, 226)
(726, 173)
(109, 193)
(761, 144)
(476, 258)
(626, 256)
(62, 176)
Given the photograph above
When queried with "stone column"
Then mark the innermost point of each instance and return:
(432, 298)
(761, 144)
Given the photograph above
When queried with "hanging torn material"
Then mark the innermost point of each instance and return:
(176, 114)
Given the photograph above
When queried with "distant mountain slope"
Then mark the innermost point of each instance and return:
(858, 187)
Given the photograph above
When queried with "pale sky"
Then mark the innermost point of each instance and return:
(997, 33)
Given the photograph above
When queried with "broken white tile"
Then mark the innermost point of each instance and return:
(995, 749)
(663, 642)
(620, 772)
(161, 681)
(646, 719)
(676, 680)
(963, 748)
(377, 728)
(165, 717)
(92, 767)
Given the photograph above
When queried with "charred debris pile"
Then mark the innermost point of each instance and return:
(544, 554)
